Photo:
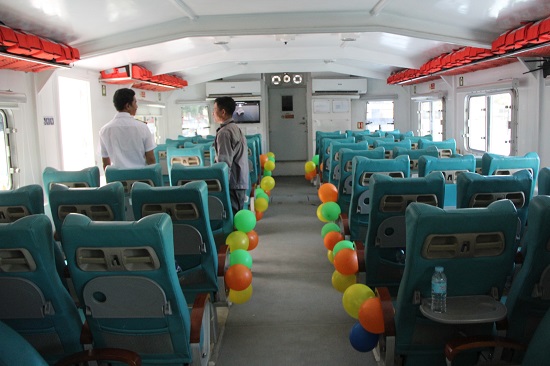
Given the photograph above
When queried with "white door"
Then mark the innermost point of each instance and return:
(288, 123)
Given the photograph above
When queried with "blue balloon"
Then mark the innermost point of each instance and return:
(362, 340)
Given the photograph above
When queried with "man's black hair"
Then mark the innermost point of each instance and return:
(122, 97)
(227, 104)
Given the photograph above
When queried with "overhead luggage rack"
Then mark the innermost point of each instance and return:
(22, 51)
(141, 78)
(531, 39)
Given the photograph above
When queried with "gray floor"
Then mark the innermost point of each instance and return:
(294, 317)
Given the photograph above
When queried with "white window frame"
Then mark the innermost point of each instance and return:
(371, 123)
(6, 160)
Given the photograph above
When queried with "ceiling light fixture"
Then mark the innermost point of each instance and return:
(186, 9)
(286, 78)
(221, 40)
(349, 37)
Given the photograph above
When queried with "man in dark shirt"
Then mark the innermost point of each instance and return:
(231, 148)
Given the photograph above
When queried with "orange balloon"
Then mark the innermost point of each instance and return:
(238, 277)
(331, 238)
(328, 193)
(371, 316)
(259, 216)
(263, 159)
(310, 175)
(345, 262)
(252, 240)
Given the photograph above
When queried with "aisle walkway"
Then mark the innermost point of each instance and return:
(294, 317)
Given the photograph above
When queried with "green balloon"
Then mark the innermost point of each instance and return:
(240, 256)
(328, 227)
(330, 211)
(341, 245)
(316, 159)
(270, 158)
(267, 173)
(244, 220)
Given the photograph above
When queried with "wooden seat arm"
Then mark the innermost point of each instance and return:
(344, 219)
(102, 354)
(456, 346)
(197, 313)
(86, 334)
(360, 250)
(388, 311)
(223, 256)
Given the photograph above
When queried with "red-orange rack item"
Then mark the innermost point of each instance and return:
(141, 78)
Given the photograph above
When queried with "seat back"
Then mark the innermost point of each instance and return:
(207, 149)
(161, 158)
(543, 181)
(389, 146)
(451, 169)
(194, 246)
(537, 352)
(124, 276)
(415, 155)
(476, 247)
(320, 134)
(398, 136)
(219, 203)
(529, 296)
(100, 204)
(253, 161)
(345, 169)
(21, 202)
(34, 300)
(474, 190)
(334, 157)
(492, 164)
(16, 350)
(385, 243)
(362, 169)
(325, 152)
(370, 139)
(150, 174)
(85, 178)
(446, 148)
(416, 139)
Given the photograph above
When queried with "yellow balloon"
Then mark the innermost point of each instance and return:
(267, 183)
(330, 256)
(353, 298)
(260, 204)
(320, 214)
(269, 165)
(240, 297)
(237, 240)
(271, 155)
(341, 282)
(309, 166)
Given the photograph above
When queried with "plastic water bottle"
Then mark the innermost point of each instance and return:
(439, 291)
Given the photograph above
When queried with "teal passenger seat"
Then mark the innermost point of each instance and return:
(415, 154)
(543, 182)
(389, 146)
(446, 148)
(85, 178)
(334, 158)
(493, 164)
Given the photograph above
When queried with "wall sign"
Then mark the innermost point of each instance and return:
(48, 121)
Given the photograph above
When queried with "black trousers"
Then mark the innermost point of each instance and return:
(237, 197)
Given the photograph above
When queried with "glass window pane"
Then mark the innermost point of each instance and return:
(287, 103)
(476, 124)
(5, 164)
(195, 120)
(500, 117)
(380, 115)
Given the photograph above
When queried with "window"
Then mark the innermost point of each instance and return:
(152, 124)
(380, 115)
(6, 178)
(195, 120)
(489, 122)
(431, 118)
(76, 123)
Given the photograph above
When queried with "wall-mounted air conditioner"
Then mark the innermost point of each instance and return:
(339, 86)
(233, 88)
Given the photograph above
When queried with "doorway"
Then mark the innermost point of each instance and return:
(288, 123)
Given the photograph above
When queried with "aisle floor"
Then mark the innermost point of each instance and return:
(295, 316)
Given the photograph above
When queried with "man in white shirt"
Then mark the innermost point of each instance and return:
(126, 142)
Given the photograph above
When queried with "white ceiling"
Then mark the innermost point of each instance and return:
(179, 36)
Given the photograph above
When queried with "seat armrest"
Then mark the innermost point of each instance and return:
(456, 346)
(102, 354)
(197, 313)
(86, 334)
(387, 310)
(360, 250)
(344, 220)
(223, 256)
